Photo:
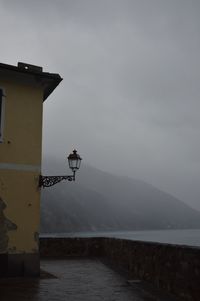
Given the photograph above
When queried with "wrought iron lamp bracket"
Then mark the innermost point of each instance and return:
(74, 161)
(47, 181)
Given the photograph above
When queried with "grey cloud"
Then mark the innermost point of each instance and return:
(130, 96)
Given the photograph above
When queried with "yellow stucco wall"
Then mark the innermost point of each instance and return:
(20, 161)
(20, 193)
(23, 124)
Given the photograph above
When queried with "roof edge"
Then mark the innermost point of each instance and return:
(52, 79)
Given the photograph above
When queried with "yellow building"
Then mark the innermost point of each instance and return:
(22, 92)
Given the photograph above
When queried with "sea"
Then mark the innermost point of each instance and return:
(188, 237)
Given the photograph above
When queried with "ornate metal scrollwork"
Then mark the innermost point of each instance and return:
(47, 181)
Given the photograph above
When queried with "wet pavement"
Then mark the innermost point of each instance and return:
(76, 280)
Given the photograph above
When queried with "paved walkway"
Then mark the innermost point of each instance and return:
(75, 280)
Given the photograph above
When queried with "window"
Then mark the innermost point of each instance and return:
(1, 113)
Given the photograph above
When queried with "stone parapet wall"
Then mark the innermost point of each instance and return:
(73, 247)
(173, 268)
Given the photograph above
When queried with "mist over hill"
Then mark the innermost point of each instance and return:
(99, 201)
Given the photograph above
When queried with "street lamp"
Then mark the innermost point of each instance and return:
(74, 161)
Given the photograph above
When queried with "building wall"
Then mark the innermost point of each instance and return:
(20, 165)
(23, 124)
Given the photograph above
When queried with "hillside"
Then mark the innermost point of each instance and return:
(99, 201)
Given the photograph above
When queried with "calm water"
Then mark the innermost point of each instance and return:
(190, 237)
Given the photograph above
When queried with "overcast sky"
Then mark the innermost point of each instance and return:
(130, 98)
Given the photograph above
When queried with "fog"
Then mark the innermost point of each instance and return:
(129, 99)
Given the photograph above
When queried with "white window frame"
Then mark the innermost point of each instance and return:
(2, 117)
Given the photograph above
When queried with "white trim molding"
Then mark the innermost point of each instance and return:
(20, 167)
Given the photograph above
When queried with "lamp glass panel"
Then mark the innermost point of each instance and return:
(78, 163)
(72, 163)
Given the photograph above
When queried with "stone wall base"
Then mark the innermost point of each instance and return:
(19, 265)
